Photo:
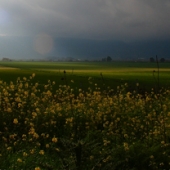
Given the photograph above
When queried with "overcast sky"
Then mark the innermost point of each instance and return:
(124, 20)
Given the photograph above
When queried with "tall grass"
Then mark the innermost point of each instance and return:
(43, 128)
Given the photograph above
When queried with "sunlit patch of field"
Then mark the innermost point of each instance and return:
(7, 68)
(106, 71)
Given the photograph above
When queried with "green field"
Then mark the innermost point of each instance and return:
(78, 123)
(113, 73)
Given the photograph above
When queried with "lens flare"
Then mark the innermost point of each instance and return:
(43, 43)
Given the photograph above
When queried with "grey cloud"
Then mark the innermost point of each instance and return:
(97, 19)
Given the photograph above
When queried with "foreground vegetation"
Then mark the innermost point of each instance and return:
(97, 128)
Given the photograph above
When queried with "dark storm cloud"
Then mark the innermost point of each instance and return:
(118, 19)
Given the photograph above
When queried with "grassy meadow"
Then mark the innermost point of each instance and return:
(113, 73)
(84, 116)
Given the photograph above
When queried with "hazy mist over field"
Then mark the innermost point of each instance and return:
(84, 29)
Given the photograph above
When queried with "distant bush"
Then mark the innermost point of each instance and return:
(162, 60)
(152, 59)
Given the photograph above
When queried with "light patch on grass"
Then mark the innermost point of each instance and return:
(7, 68)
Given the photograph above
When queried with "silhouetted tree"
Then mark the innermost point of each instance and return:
(162, 60)
(109, 58)
(103, 59)
(152, 59)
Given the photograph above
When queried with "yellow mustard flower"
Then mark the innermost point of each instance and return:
(32, 151)
(54, 139)
(41, 152)
(33, 74)
(9, 148)
(25, 154)
(15, 121)
(19, 160)
(47, 145)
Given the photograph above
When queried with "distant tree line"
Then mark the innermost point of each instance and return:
(153, 60)
(108, 59)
